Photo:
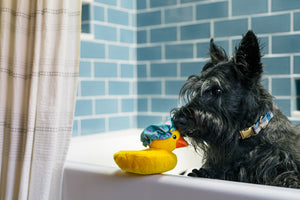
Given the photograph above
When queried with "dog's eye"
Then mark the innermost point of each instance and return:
(215, 91)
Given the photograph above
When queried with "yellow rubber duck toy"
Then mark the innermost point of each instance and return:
(158, 158)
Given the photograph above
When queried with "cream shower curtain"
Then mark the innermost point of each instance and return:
(39, 55)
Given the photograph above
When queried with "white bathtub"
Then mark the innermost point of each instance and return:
(90, 173)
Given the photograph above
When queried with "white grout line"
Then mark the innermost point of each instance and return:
(93, 107)
(194, 51)
(292, 21)
(149, 108)
(291, 64)
(212, 29)
(148, 36)
(162, 19)
(118, 34)
(79, 126)
(78, 89)
(163, 88)
(229, 9)
(195, 12)
(178, 33)
(270, 44)
(118, 70)
(148, 72)
(249, 23)
(178, 70)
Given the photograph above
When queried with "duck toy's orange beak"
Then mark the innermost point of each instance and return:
(181, 143)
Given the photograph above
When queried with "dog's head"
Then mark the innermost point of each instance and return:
(226, 97)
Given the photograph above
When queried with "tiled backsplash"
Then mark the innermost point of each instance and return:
(142, 51)
(106, 98)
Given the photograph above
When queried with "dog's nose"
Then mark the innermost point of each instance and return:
(181, 122)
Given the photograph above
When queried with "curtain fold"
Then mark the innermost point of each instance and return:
(39, 57)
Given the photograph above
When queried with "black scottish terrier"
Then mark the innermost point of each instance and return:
(232, 118)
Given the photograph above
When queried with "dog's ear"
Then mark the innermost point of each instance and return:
(247, 58)
(217, 54)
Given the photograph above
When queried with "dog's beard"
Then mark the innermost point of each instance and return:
(202, 126)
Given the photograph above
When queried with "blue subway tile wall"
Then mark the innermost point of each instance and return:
(108, 2)
(163, 104)
(127, 36)
(148, 18)
(98, 13)
(119, 123)
(128, 105)
(160, 3)
(105, 69)
(276, 65)
(163, 70)
(289, 43)
(204, 11)
(266, 24)
(142, 51)
(297, 65)
(281, 5)
(86, 14)
(127, 70)
(106, 106)
(84, 107)
(189, 68)
(276, 23)
(127, 4)
(141, 36)
(231, 27)
(164, 34)
(91, 50)
(92, 126)
(105, 32)
(297, 21)
(85, 69)
(177, 51)
(172, 87)
(92, 88)
(118, 52)
(119, 87)
(149, 53)
(106, 94)
(141, 4)
(246, 7)
(180, 14)
(115, 16)
(85, 18)
(195, 31)
(149, 87)
(281, 86)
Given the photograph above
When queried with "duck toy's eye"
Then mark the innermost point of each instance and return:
(174, 137)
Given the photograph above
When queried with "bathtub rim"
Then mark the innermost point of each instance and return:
(206, 188)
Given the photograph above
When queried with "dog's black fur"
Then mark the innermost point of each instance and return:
(226, 98)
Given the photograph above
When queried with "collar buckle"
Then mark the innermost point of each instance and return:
(247, 132)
